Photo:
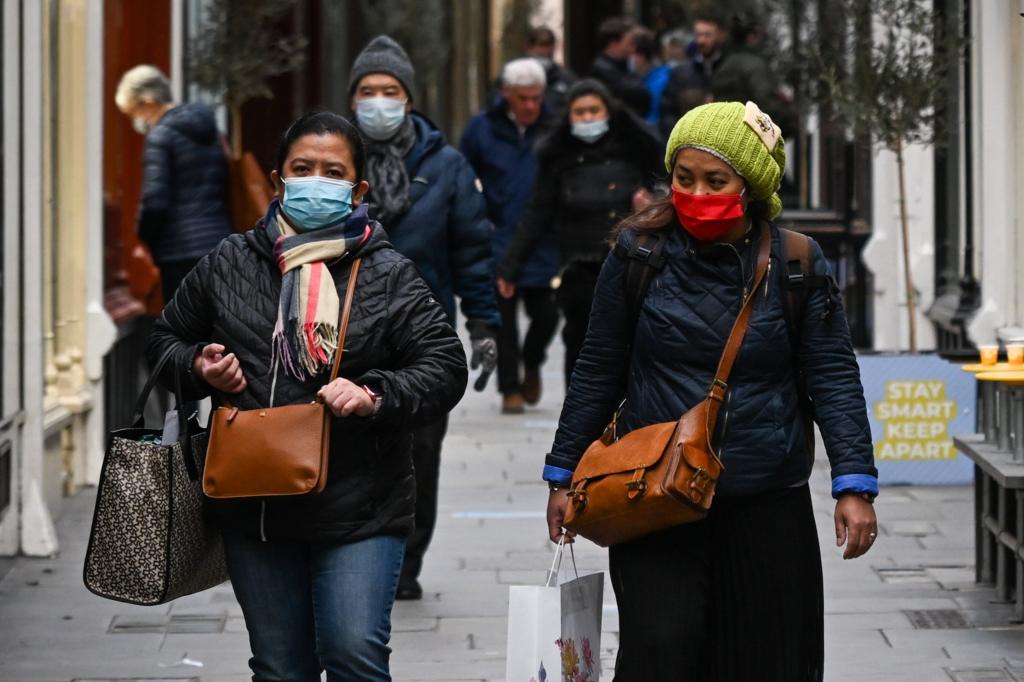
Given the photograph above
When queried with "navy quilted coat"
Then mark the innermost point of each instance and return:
(446, 232)
(183, 210)
(666, 364)
(506, 163)
(399, 343)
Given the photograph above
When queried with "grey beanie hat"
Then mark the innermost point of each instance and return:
(383, 55)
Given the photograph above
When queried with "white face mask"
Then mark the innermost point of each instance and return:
(590, 131)
(380, 117)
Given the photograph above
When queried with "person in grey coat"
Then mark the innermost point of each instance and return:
(183, 210)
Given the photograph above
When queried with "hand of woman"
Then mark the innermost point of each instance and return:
(506, 289)
(856, 525)
(345, 399)
(222, 372)
(558, 502)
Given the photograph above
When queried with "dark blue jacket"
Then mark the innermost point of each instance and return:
(183, 211)
(507, 166)
(665, 365)
(445, 232)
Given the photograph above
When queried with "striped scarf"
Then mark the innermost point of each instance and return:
(306, 332)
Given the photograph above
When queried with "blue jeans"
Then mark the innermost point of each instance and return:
(311, 607)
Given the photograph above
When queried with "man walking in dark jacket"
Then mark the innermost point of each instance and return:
(428, 199)
(540, 44)
(689, 84)
(611, 67)
(500, 144)
(183, 212)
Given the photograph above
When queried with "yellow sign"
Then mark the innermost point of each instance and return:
(916, 417)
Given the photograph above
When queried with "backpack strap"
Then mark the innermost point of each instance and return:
(798, 281)
(644, 258)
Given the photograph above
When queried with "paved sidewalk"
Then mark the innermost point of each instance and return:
(491, 534)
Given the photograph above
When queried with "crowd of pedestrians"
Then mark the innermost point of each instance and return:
(554, 187)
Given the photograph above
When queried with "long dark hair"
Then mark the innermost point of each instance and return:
(323, 123)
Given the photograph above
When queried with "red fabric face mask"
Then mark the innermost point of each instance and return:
(708, 217)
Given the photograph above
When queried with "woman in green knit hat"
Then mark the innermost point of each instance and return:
(736, 596)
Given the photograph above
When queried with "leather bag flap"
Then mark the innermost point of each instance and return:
(641, 448)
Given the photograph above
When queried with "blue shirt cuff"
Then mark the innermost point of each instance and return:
(557, 475)
(854, 483)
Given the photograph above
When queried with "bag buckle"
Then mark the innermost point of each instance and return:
(699, 483)
(578, 497)
(636, 486)
(721, 386)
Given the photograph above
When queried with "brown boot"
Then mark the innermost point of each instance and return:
(531, 385)
(512, 404)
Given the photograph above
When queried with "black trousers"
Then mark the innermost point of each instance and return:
(542, 309)
(736, 597)
(575, 298)
(426, 457)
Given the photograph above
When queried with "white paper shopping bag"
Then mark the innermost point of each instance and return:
(582, 608)
(534, 628)
(534, 615)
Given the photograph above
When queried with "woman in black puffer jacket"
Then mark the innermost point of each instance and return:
(316, 575)
(597, 166)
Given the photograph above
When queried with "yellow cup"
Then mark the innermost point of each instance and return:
(989, 354)
(1015, 354)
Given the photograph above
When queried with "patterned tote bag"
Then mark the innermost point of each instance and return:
(150, 542)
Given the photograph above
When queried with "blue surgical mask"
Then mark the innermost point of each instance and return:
(380, 117)
(590, 131)
(316, 202)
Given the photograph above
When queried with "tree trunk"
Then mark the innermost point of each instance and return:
(236, 131)
(905, 231)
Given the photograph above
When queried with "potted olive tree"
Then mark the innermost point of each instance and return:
(237, 49)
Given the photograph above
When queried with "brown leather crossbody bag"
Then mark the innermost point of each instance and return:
(274, 451)
(662, 475)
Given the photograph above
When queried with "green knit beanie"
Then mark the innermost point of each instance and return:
(741, 135)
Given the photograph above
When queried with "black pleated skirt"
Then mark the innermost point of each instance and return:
(736, 597)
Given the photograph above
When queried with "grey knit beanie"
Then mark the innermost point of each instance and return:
(383, 55)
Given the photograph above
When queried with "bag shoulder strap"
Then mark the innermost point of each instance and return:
(742, 323)
(346, 312)
(644, 258)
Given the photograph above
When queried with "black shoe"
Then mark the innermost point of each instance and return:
(410, 591)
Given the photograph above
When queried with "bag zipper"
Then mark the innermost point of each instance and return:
(263, 518)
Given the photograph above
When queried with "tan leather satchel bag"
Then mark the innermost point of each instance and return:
(274, 451)
(662, 475)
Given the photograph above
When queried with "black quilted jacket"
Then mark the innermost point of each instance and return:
(400, 343)
(183, 209)
(583, 190)
(666, 363)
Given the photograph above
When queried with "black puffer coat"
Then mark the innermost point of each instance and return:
(183, 211)
(399, 343)
(584, 189)
(665, 364)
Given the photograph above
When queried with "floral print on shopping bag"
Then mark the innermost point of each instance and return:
(577, 666)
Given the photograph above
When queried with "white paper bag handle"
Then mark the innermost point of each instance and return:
(556, 563)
